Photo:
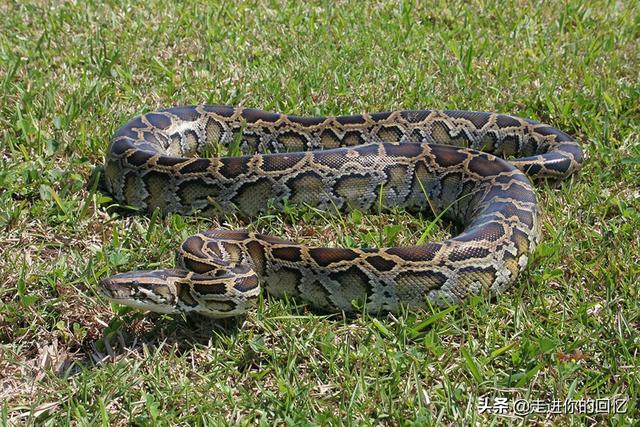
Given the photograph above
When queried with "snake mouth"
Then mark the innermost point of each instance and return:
(156, 290)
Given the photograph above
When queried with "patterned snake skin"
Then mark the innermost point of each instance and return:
(419, 160)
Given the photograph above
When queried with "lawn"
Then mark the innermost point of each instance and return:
(73, 72)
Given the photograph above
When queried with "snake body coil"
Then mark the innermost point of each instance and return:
(421, 160)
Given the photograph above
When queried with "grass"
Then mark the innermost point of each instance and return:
(72, 72)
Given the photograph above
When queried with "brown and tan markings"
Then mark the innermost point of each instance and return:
(451, 161)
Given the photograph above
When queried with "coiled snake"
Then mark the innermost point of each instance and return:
(419, 160)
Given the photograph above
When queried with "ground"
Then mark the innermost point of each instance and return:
(72, 72)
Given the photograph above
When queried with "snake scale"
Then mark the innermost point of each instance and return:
(444, 162)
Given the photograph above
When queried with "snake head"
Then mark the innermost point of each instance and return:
(222, 293)
(155, 290)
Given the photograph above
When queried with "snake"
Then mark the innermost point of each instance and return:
(474, 169)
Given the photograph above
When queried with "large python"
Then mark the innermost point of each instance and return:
(449, 162)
